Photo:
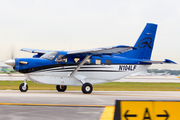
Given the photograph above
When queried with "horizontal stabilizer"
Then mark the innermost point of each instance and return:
(160, 62)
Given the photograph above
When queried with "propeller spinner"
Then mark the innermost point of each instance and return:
(10, 62)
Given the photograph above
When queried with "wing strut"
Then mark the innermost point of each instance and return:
(81, 64)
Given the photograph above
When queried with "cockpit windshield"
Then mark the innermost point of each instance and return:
(49, 55)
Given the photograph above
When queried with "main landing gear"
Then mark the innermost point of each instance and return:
(87, 88)
(61, 88)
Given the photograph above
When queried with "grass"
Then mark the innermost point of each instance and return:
(11, 73)
(112, 86)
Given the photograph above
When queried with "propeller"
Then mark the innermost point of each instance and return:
(12, 53)
(11, 61)
(14, 63)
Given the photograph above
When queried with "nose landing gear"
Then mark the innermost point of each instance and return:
(23, 87)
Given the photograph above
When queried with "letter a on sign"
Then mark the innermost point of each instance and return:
(146, 115)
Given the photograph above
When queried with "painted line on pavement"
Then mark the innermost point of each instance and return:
(62, 105)
(108, 113)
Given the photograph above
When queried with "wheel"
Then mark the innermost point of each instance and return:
(22, 88)
(87, 88)
(61, 88)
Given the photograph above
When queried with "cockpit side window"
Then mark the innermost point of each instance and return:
(49, 55)
(61, 58)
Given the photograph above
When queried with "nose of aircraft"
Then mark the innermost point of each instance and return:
(10, 62)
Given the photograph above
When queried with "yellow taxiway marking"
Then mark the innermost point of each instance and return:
(63, 105)
(108, 113)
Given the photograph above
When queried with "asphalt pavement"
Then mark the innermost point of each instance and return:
(73, 105)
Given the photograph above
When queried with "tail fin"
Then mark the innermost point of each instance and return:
(145, 43)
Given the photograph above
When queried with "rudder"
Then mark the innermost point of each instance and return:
(145, 43)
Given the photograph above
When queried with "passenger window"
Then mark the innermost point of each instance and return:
(76, 60)
(61, 58)
(108, 62)
(88, 61)
(98, 61)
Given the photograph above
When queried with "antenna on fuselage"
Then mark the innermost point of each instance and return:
(69, 48)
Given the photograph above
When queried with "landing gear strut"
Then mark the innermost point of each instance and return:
(87, 88)
(61, 88)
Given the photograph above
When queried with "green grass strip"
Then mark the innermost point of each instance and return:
(112, 86)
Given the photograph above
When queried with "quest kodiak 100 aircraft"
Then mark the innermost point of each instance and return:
(87, 67)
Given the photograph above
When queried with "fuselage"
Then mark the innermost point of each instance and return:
(98, 69)
(93, 74)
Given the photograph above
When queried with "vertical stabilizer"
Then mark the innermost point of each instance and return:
(145, 43)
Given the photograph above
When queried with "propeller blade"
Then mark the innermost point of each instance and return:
(12, 52)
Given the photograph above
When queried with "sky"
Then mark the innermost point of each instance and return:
(86, 24)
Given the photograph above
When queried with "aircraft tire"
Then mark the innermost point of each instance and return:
(87, 88)
(22, 89)
(61, 88)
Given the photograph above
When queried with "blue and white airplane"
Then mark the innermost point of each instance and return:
(87, 67)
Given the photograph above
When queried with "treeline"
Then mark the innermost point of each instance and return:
(171, 72)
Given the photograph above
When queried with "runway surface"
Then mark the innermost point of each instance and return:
(49, 113)
(106, 98)
(72, 105)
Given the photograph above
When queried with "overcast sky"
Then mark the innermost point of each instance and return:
(84, 24)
